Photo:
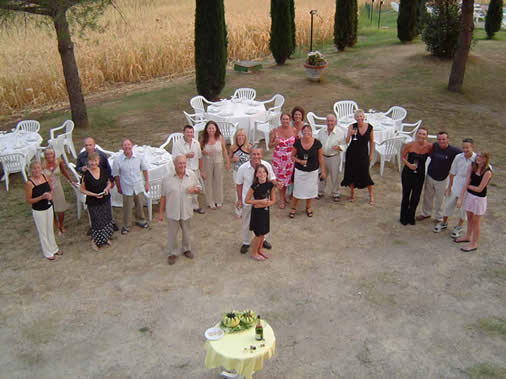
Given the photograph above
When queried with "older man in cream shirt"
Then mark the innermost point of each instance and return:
(177, 192)
(333, 140)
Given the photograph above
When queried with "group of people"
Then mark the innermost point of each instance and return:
(455, 179)
(302, 167)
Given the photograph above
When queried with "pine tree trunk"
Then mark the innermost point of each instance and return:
(463, 46)
(70, 71)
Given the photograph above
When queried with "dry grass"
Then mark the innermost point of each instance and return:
(148, 39)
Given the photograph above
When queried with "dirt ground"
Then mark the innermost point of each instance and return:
(350, 293)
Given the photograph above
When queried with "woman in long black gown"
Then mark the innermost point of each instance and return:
(414, 155)
(358, 156)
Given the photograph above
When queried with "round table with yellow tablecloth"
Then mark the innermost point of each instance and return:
(233, 352)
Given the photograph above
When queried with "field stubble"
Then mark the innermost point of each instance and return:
(144, 40)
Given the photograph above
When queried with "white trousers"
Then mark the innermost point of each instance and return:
(449, 205)
(332, 172)
(433, 195)
(186, 229)
(246, 217)
(44, 223)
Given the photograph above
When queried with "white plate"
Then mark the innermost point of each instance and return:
(214, 334)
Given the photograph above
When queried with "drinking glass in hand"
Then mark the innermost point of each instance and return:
(355, 129)
(416, 166)
(305, 159)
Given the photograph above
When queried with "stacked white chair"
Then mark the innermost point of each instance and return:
(245, 93)
(345, 108)
(28, 126)
(198, 123)
(80, 197)
(265, 127)
(155, 189)
(173, 137)
(68, 127)
(409, 136)
(13, 163)
(389, 149)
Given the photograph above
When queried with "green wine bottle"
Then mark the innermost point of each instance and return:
(259, 330)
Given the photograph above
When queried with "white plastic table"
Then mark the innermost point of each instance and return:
(240, 111)
(159, 163)
(22, 142)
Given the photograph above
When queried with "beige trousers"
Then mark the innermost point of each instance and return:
(44, 223)
(128, 202)
(433, 195)
(214, 182)
(195, 197)
(332, 178)
(186, 229)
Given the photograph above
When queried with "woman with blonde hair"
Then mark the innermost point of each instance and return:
(53, 168)
(39, 194)
(475, 199)
(214, 152)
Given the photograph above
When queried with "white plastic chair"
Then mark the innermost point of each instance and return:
(195, 121)
(397, 113)
(173, 137)
(80, 197)
(277, 103)
(345, 108)
(58, 145)
(389, 149)
(245, 93)
(155, 189)
(198, 106)
(68, 127)
(265, 127)
(28, 126)
(313, 120)
(409, 136)
(227, 129)
(13, 163)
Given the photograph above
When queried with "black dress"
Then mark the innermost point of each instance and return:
(412, 183)
(99, 209)
(259, 222)
(356, 166)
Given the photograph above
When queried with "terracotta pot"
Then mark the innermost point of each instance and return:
(314, 72)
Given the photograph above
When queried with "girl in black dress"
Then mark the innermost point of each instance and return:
(414, 155)
(261, 196)
(358, 156)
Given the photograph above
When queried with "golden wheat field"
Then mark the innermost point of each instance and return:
(145, 39)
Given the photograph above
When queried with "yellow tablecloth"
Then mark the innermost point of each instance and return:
(228, 351)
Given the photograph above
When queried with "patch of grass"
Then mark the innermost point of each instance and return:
(491, 326)
(486, 371)
(399, 243)
(146, 329)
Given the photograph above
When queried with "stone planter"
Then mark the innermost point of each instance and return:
(314, 72)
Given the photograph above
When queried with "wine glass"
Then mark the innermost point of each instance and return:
(305, 159)
(416, 164)
(355, 128)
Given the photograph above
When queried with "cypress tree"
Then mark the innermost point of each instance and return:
(493, 19)
(354, 19)
(343, 24)
(280, 41)
(406, 21)
(210, 47)
(293, 40)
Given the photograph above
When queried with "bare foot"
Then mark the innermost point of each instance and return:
(257, 257)
(263, 254)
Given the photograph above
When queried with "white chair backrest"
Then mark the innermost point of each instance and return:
(395, 6)
(194, 119)
(197, 104)
(69, 126)
(313, 121)
(155, 188)
(413, 131)
(58, 145)
(397, 113)
(393, 145)
(227, 129)
(279, 100)
(345, 108)
(173, 137)
(12, 163)
(245, 93)
(28, 126)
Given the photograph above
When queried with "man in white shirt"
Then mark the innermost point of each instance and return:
(244, 180)
(190, 148)
(333, 142)
(177, 192)
(458, 175)
(131, 178)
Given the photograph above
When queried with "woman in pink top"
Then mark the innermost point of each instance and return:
(281, 140)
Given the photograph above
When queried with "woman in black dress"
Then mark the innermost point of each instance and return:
(414, 155)
(96, 185)
(358, 156)
(261, 196)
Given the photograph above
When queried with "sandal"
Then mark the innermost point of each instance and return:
(309, 212)
(51, 258)
(257, 257)
(282, 205)
(59, 252)
(292, 213)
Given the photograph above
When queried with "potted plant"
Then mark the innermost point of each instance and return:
(315, 65)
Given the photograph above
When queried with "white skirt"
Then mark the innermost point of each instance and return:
(475, 204)
(305, 184)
